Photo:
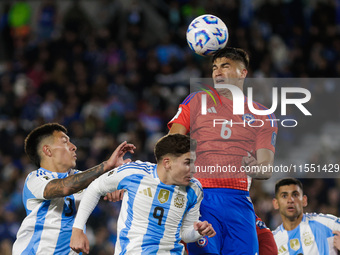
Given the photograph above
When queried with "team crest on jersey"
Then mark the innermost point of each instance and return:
(179, 200)
(307, 239)
(163, 195)
(294, 244)
(202, 242)
(249, 118)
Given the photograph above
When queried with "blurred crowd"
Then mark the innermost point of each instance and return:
(116, 70)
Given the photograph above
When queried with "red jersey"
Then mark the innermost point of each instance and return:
(267, 244)
(223, 139)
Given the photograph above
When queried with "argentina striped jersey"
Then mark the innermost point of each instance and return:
(312, 236)
(154, 217)
(47, 227)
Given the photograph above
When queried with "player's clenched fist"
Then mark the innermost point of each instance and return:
(204, 228)
(79, 242)
(249, 161)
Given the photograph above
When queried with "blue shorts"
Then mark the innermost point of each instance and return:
(232, 215)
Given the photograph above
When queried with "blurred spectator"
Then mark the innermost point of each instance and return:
(47, 19)
(6, 37)
(19, 21)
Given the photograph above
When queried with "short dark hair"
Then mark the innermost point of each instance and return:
(34, 138)
(235, 54)
(285, 182)
(174, 144)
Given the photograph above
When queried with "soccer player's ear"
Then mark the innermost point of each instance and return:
(244, 73)
(46, 150)
(166, 161)
(275, 204)
(304, 201)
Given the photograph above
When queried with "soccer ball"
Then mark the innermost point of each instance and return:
(206, 34)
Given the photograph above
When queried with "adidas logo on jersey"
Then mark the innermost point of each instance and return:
(212, 110)
(146, 192)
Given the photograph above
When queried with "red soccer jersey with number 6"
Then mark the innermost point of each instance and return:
(224, 138)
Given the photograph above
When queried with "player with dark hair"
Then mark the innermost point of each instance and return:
(302, 233)
(52, 193)
(160, 206)
(226, 203)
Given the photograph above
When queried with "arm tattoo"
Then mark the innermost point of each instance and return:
(73, 183)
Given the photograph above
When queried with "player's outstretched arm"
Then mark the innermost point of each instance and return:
(77, 182)
(79, 242)
(204, 228)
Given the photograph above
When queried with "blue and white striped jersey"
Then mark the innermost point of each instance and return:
(154, 217)
(47, 227)
(312, 236)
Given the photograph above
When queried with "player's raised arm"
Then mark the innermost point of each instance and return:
(77, 182)
(177, 128)
(104, 184)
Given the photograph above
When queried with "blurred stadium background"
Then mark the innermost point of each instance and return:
(117, 70)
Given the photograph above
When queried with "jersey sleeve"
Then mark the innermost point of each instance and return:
(183, 114)
(267, 244)
(106, 183)
(329, 221)
(266, 137)
(36, 184)
(188, 233)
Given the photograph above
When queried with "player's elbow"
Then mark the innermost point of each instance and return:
(264, 176)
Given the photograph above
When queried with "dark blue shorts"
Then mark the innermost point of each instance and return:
(232, 215)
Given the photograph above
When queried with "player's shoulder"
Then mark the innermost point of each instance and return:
(319, 217)
(260, 224)
(195, 184)
(137, 166)
(41, 173)
(192, 96)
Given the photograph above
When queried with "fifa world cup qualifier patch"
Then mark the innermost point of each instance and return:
(274, 139)
(202, 242)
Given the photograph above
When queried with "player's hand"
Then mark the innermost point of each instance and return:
(336, 240)
(79, 242)
(251, 165)
(249, 161)
(204, 228)
(115, 196)
(116, 158)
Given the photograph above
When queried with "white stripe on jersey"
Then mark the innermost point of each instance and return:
(136, 232)
(312, 236)
(152, 213)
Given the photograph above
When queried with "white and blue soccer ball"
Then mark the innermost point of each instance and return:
(206, 34)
